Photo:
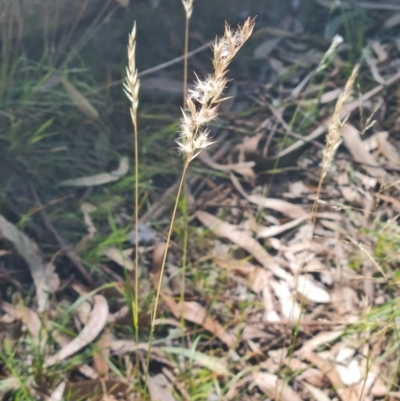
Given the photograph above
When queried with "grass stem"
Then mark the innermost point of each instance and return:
(171, 227)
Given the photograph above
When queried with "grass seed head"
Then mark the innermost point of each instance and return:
(188, 6)
(334, 136)
(202, 101)
(132, 83)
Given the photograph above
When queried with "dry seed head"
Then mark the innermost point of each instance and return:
(188, 6)
(337, 40)
(202, 101)
(132, 83)
(334, 136)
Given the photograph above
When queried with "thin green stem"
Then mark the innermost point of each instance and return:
(171, 226)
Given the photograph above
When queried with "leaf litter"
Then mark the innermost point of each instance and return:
(304, 332)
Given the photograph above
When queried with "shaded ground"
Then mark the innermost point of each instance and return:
(280, 301)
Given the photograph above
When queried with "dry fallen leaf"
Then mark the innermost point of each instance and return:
(387, 149)
(96, 323)
(63, 340)
(195, 313)
(290, 308)
(244, 168)
(43, 276)
(266, 47)
(243, 240)
(157, 257)
(58, 393)
(121, 258)
(274, 387)
(318, 394)
(392, 21)
(320, 339)
(311, 291)
(267, 232)
(279, 205)
(329, 369)
(353, 142)
(101, 354)
(160, 388)
(349, 374)
(346, 110)
(99, 179)
(86, 209)
(31, 319)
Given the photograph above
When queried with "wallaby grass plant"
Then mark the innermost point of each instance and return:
(201, 109)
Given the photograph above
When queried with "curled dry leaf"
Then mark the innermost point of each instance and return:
(195, 313)
(96, 323)
(63, 340)
(274, 387)
(231, 232)
(99, 179)
(46, 281)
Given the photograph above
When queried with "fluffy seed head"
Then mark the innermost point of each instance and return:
(202, 101)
